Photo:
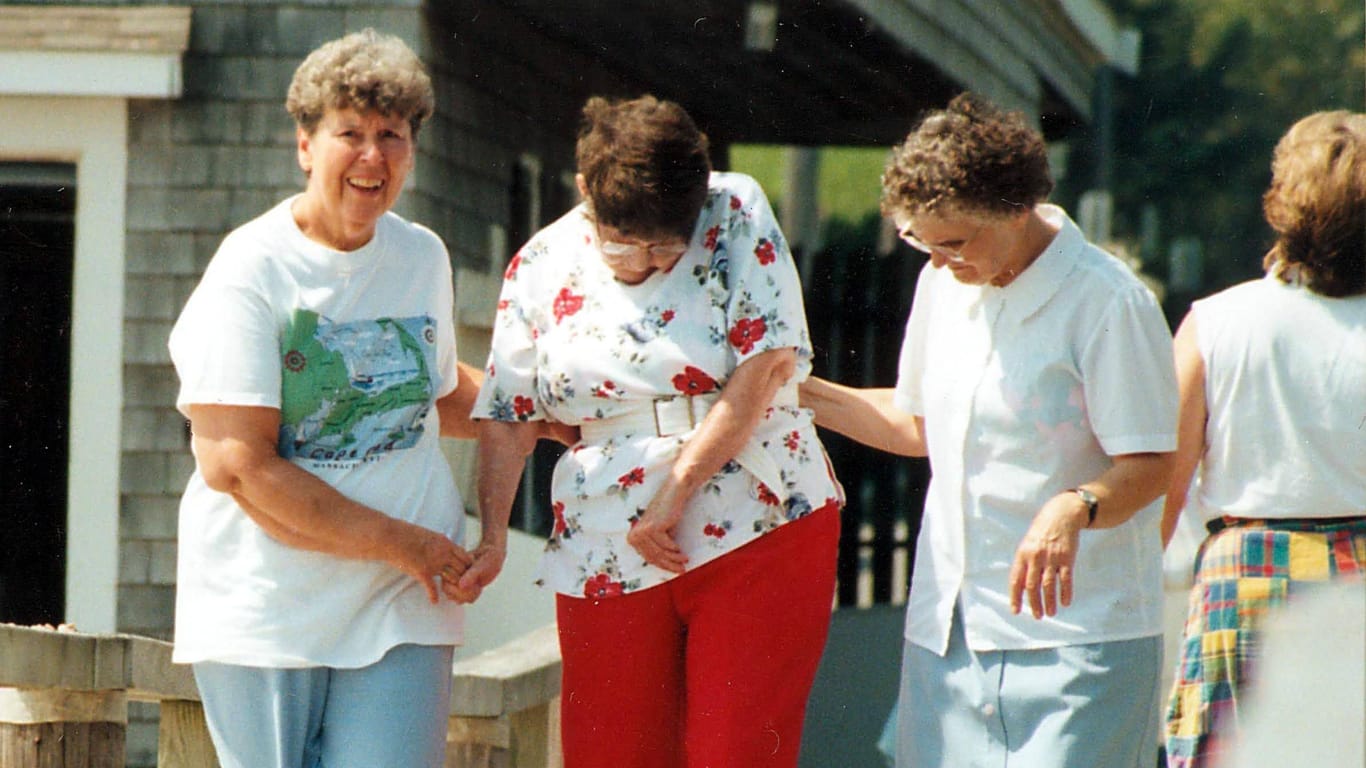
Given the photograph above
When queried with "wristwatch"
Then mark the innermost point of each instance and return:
(1092, 503)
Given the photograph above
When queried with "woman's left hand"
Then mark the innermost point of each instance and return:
(652, 534)
(1042, 570)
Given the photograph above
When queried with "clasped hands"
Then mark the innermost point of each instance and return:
(447, 569)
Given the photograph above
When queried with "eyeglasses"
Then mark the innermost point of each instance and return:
(637, 253)
(952, 254)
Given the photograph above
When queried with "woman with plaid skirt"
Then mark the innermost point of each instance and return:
(1273, 429)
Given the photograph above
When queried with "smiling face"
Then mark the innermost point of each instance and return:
(356, 164)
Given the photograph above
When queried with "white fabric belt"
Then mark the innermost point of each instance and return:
(669, 416)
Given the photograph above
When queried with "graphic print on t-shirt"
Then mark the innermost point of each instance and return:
(357, 390)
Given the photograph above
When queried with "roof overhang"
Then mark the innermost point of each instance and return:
(823, 72)
(130, 52)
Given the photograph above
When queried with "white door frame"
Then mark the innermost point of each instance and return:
(73, 108)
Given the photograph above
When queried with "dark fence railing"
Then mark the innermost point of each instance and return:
(857, 302)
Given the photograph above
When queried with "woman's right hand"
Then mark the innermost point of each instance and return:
(426, 555)
(652, 534)
(487, 563)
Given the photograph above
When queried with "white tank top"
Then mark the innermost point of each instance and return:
(1285, 384)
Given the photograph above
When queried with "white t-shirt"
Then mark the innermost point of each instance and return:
(1285, 386)
(354, 348)
(1028, 390)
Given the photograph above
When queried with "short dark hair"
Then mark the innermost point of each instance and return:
(1317, 204)
(644, 163)
(969, 157)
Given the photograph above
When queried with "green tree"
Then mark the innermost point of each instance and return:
(1220, 81)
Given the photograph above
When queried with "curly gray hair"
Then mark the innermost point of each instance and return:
(366, 71)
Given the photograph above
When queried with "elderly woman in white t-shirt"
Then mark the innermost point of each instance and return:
(318, 368)
(1036, 374)
(1273, 397)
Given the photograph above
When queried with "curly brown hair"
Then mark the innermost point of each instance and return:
(366, 71)
(970, 157)
(645, 165)
(1316, 204)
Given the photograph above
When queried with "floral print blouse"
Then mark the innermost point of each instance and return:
(572, 343)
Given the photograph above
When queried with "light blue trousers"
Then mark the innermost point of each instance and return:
(1079, 706)
(390, 714)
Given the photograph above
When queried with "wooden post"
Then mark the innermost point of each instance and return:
(183, 739)
(50, 728)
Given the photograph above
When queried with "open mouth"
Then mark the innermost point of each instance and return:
(369, 185)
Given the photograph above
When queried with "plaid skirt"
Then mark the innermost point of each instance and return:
(1242, 572)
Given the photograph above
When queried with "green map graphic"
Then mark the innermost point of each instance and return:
(354, 390)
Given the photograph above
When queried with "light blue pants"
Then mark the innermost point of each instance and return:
(390, 714)
(1079, 706)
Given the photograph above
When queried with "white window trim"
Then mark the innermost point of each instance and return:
(91, 133)
(66, 75)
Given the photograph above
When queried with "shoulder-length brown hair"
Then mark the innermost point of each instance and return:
(1316, 204)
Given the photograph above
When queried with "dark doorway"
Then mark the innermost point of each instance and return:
(37, 215)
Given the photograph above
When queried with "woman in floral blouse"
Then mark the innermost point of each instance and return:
(696, 522)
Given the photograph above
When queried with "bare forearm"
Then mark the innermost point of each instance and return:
(503, 449)
(300, 510)
(1131, 483)
(730, 424)
(867, 416)
(1190, 435)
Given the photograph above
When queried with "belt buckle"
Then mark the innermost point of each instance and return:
(670, 403)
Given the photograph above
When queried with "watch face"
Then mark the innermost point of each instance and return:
(1092, 504)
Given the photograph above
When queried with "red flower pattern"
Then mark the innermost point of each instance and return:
(557, 509)
(523, 406)
(746, 333)
(793, 440)
(635, 477)
(765, 252)
(694, 381)
(734, 203)
(666, 316)
(566, 304)
(511, 272)
(768, 497)
(714, 531)
(713, 235)
(602, 585)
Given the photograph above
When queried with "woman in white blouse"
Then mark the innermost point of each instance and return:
(696, 523)
(1036, 374)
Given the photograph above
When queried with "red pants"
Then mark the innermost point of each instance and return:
(709, 670)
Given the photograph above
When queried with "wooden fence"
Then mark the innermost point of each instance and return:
(64, 702)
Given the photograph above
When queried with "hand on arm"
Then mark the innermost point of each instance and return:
(503, 448)
(235, 447)
(728, 426)
(867, 416)
(1190, 428)
(1042, 570)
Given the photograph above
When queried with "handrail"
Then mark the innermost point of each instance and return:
(503, 704)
